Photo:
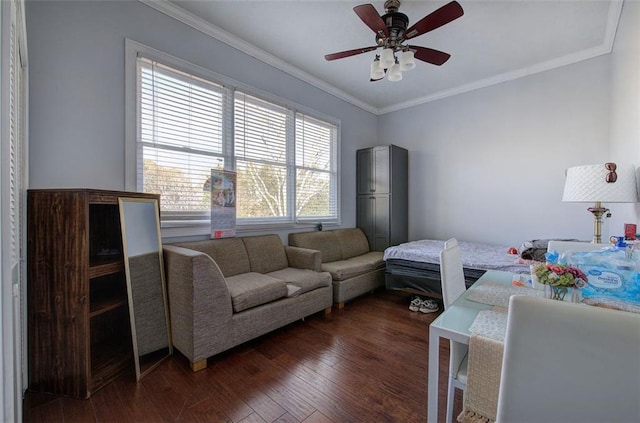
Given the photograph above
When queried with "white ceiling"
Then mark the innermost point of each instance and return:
(494, 41)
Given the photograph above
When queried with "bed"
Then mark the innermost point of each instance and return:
(414, 266)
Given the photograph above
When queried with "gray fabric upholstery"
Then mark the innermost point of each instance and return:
(345, 269)
(230, 254)
(373, 259)
(148, 303)
(353, 242)
(357, 285)
(345, 254)
(266, 253)
(304, 258)
(203, 321)
(252, 289)
(307, 280)
(324, 241)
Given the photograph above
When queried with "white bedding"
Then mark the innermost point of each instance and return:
(474, 255)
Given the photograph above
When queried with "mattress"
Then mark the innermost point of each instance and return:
(414, 266)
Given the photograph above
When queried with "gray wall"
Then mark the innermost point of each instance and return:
(625, 105)
(489, 165)
(76, 103)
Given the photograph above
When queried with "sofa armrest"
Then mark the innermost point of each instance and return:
(304, 258)
(199, 300)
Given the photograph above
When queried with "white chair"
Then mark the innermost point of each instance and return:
(569, 363)
(453, 285)
(562, 246)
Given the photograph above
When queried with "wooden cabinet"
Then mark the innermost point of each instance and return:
(382, 189)
(78, 316)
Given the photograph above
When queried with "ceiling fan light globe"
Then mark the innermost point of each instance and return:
(376, 70)
(406, 61)
(387, 59)
(395, 74)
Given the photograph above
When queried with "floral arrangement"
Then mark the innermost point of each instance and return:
(559, 277)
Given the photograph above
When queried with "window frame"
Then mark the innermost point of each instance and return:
(183, 228)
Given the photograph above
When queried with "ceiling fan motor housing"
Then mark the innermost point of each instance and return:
(397, 24)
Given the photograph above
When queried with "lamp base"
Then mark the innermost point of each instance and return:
(598, 211)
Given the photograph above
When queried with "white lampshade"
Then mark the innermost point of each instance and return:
(406, 61)
(376, 70)
(589, 184)
(387, 59)
(395, 74)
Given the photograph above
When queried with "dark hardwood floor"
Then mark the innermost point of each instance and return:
(366, 363)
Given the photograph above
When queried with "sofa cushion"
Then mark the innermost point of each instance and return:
(324, 241)
(229, 254)
(374, 258)
(266, 253)
(345, 269)
(253, 289)
(353, 242)
(303, 279)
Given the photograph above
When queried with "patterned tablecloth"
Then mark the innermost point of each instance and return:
(495, 294)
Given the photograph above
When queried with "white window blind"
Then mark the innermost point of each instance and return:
(261, 144)
(316, 169)
(286, 161)
(181, 137)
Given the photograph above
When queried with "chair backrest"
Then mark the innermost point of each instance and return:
(562, 246)
(451, 272)
(569, 362)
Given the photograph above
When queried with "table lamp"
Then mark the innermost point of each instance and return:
(600, 183)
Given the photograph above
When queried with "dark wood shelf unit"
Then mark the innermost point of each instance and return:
(99, 266)
(78, 315)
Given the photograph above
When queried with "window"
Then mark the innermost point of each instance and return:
(189, 122)
(315, 168)
(180, 138)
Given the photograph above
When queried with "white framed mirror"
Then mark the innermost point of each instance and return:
(144, 269)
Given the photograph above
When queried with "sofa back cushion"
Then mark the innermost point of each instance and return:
(266, 253)
(229, 254)
(353, 242)
(324, 241)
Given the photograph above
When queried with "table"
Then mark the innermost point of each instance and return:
(454, 324)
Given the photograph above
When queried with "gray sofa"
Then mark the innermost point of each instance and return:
(224, 292)
(355, 269)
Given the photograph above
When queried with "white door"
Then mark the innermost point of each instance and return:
(12, 204)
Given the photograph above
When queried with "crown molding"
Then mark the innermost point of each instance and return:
(219, 34)
(176, 12)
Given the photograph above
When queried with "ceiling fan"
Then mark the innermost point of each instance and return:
(392, 30)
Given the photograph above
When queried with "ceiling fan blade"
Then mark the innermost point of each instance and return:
(436, 19)
(429, 55)
(347, 53)
(372, 19)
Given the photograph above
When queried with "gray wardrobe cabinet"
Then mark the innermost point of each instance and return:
(382, 189)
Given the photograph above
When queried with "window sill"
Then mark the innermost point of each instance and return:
(182, 231)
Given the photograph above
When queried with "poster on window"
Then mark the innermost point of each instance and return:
(223, 204)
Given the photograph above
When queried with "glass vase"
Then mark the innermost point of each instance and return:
(561, 292)
(555, 292)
